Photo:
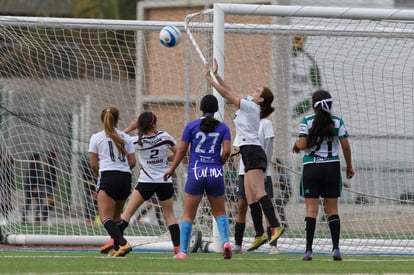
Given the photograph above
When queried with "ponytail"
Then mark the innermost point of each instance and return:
(109, 118)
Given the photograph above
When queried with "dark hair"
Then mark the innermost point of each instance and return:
(322, 126)
(209, 105)
(146, 122)
(266, 105)
(109, 118)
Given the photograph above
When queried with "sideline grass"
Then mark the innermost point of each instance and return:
(39, 262)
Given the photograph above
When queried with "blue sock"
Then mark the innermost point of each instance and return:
(185, 234)
(223, 228)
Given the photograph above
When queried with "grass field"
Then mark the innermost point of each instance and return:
(91, 262)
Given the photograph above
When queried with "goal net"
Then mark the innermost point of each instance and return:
(363, 57)
(56, 75)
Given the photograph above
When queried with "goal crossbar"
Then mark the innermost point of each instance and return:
(376, 24)
(321, 12)
(76, 66)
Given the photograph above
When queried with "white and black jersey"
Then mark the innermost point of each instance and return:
(153, 156)
(110, 158)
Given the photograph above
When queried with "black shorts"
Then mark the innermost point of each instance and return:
(163, 190)
(321, 180)
(268, 184)
(116, 184)
(254, 157)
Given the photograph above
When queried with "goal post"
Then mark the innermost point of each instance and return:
(56, 75)
(362, 57)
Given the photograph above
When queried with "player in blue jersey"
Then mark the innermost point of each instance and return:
(112, 156)
(209, 142)
(247, 122)
(321, 136)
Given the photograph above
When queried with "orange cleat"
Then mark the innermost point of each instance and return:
(176, 249)
(107, 247)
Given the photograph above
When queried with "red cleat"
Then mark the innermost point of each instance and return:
(107, 247)
(227, 253)
(176, 249)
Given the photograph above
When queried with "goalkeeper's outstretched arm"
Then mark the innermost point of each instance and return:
(221, 86)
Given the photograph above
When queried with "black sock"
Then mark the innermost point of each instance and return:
(257, 217)
(335, 228)
(122, 225)
(269, 211)
(175, 234)
(310, 232)
(114, 232)
(239, 233)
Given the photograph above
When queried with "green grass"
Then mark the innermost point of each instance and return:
(42, 262)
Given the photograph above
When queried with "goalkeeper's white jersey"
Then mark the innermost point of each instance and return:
(153, 156)
(247, 121)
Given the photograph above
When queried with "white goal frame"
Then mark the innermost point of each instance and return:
(220, 27)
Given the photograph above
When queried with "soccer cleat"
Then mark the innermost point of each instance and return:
(227, 251)
(276, 233)
(336, 255)
(181, 256)
(237, 249)
(122, 251)
(111, 253)
(274, 250)
(307, 256)
(258, 241)
(176, 249)
(107, 247)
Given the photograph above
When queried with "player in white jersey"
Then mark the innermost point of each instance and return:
(155, 149)
(321, 135)
(112, 156)
(247, 121)
(266, 137)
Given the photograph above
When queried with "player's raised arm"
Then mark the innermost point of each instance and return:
(221, 86)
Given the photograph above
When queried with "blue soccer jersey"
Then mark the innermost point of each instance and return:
(205, 147)
(205, 170)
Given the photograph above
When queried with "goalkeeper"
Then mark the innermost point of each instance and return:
(247, 121)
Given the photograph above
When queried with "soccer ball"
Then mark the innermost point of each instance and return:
(170, 36)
